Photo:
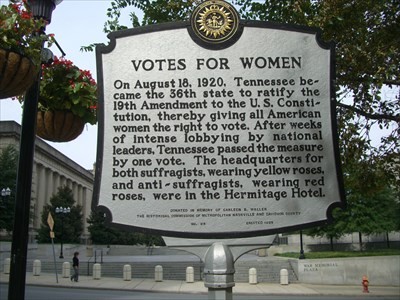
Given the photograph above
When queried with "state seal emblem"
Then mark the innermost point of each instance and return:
(215, 24)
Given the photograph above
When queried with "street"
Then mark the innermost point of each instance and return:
(51, 293)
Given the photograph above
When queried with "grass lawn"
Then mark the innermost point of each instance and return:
(335, 254)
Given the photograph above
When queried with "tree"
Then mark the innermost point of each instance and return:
(8, 179)
(367, 39)
(372, 205)
(72, 222)
(367, 44)
(331, 231)
(371, 202)
(100, 233)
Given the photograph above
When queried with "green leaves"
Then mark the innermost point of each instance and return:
(66, 87)
(367, 38)
(21, 32)
(68, 227)
(100, 233)
(8, 179)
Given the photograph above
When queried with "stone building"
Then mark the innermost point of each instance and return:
(51, 169)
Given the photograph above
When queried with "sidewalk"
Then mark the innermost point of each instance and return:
(172, 286)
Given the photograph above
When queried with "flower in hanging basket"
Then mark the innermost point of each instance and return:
(21, 40)
(20, 32)
(66, 87)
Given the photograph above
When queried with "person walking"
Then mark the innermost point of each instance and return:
(75, 265)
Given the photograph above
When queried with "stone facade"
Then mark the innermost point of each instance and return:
(51, 169)
(382, 270)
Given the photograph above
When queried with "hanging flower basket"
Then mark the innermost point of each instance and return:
(17, 73)
(64, 86)
(59, 126)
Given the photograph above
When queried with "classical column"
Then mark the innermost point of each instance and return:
(56, 182)
(40, 194)
(63, 180)
(49, 185)
(69, 183)
(75, 192)
(80, 195)
(86, 204)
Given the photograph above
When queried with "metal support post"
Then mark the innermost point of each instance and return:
(218, 271)
(302, 256)
(62, 211)
(19, 246)
(19, 249)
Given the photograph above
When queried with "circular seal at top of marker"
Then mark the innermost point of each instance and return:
(215, 24)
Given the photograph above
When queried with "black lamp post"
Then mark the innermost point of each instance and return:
(302, 256)
(62, 211)
(16, 287)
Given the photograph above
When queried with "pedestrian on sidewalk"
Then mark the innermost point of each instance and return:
(75, 265)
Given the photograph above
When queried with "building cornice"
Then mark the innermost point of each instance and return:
(13, 129)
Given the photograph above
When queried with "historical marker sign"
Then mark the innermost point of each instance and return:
(213, 128)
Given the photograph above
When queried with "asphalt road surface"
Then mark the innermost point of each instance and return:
(50, 293)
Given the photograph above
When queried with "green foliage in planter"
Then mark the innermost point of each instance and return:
(21, 32)
(64, 86)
